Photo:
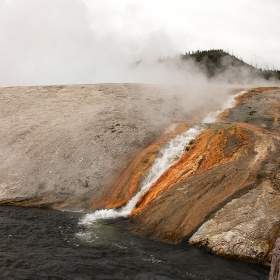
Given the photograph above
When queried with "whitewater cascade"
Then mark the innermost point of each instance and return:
(171, 153)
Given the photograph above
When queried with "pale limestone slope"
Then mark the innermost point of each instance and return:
(62, 146)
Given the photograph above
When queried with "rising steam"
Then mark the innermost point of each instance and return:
(85, 42)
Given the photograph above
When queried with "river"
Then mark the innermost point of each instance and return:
(49, 244)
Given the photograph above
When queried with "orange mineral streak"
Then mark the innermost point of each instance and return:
(130, 181)
(211, 148)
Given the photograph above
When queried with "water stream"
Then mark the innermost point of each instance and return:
(168, 156)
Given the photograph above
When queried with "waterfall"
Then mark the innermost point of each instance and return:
(170, 154)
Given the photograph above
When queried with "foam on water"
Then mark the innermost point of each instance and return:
(171, 153)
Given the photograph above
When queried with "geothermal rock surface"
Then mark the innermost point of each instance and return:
(91, 146)
(64, 146)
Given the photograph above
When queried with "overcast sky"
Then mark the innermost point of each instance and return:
(93, 41)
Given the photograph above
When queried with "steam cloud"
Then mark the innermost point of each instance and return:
(53, 42)
(61, 42)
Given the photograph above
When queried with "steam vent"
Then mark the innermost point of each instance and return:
(222, 195)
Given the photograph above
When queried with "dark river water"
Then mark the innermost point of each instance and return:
(45, 244)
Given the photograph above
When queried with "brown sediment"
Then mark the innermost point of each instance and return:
(275, 112)
(38, 202)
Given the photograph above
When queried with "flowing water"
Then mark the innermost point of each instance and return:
(171, 153)
(45, 244)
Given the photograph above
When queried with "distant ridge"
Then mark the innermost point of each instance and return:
(214, 61)
(221, 64)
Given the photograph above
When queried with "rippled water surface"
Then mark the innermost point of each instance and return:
(44, 244)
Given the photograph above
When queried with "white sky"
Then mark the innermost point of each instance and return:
(91, 41)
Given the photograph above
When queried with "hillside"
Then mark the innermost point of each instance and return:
(218, 64)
